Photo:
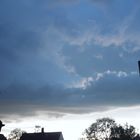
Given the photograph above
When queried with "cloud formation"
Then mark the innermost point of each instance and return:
(67, 57)
(107, 90)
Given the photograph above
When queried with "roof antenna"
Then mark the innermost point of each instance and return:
(37, 128)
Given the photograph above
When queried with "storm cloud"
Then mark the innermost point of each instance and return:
(63, 57)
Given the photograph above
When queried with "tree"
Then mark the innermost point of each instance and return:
(100, 130)
(16, 134)
(107, 129)
(126, 132)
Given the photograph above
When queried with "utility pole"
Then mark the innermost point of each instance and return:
(139, 66)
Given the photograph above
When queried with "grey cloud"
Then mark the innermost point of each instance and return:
(35, 50)
(109, 91)
(86, 63)
(24, 37)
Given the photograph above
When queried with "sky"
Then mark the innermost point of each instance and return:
(64, 62)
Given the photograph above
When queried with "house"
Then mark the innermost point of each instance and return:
(42, 136)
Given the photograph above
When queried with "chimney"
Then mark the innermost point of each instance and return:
(42, 130)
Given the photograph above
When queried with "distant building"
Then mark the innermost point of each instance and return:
(42, 136)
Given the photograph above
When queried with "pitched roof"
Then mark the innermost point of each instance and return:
(42, 136)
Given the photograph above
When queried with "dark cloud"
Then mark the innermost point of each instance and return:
(109, 91)
(41, 54)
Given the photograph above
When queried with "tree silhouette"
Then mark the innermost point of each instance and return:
(108, 129)
(2, 137)
(16, 134)
(123, 132)
(100, 130)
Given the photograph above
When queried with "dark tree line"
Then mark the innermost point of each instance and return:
(108, 129)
